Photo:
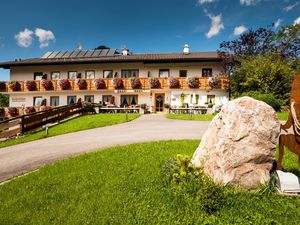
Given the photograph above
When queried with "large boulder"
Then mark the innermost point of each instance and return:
(239, 145)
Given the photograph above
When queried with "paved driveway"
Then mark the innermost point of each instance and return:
(22, 158)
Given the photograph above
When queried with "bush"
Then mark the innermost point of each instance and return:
(189, 182)
(14, 85)
(135, 83)
(270, 99)
(118, 83)
(100, 84)
(193, 82)
(82, 84)
(29, 110)
(47, 84)
(154, 82)
(174, 82)
(64, 84)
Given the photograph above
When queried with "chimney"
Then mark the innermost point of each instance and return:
(125, 51)
(186, 49)
(78, 47)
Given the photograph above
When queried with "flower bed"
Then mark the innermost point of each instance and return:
(82, 84)
(64, 84)
(135, 83)
(154, 82)
(30, 85)
(2, 86)
(12, 111)
(14, 85)
(100, 84)
(47, 84)
(174, 83)
(29, 110)
(118, 83)
(193, 82)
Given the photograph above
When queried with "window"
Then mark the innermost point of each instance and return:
(206, 72)
(107, 74)
(38, 75)
(54, 101)
(37, 101)
(164, 73)
(129, 73)
(55, 75)
(107, 99)
(211, 99)
(194, 99)
(182, 73)
(90, 74)
(89, 98)
(72, 75)
(71, 100)
(128, 100)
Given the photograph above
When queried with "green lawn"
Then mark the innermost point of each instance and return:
(124, 185)
(73, 125)
(206, 117)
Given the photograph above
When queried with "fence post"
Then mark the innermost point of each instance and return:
(126, 115)
(22, 124)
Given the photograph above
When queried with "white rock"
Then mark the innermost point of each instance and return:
(239, 145)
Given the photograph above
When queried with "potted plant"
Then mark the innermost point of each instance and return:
(214, 82)
(174, 82)
(14, 85)
(135, 83)
(30, 85)
(64, 84)
(167, 106)
(100, 84)
(29, 110)
(118, 83)
(154, 82)
(193, 82)
(12, 111)
(2, 86)
(82, 84)
(47, 84)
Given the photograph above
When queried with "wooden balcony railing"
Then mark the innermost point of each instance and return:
(222, 83)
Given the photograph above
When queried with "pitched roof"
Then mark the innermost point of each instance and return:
(146, 58)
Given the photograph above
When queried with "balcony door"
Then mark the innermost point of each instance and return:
(159, 102)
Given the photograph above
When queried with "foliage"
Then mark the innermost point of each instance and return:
(135, 83)
(118, 83)
(2, 111)
(2, 85)
(88, 107)
(214, 82)
(154, 82)
(193, 82)
(82, 84)
(167, 105)
(64, 84)
(12, 111)
(30, 85)
(47, 84)
(29, 110)
(174, 82)
(4, 100)
(14, 85)
(267, 98)
(100, 84)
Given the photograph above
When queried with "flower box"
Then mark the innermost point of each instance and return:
(14, 86)
(100, 84)
(2, 86)
(47, 84)
(82, 84)
(64, 84)
(135, 83)
(174, 83)
(12, 111)
(214, 82)
(193, 82)
(154, 82)
(30, 85)
(118, 83)
(29, 110)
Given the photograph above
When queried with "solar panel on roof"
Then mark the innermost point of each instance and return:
(53, 55)
(46, 55)
(81, 54)
(89, 53)
(104, 52)
(111, 52)
(67, 55)
(74, 54)
(96, 53)
(59, 55)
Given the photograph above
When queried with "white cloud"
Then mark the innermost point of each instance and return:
(239, 30)
(290, 7)
(297, 21)
(201, 2)
(44, 36)
(24, 38)
(277, 23)
(249, 2)
(216, 25)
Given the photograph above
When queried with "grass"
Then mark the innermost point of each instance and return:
(73, 125)
(124, 185)
(206, 117)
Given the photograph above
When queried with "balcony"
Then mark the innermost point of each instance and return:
(201, 83)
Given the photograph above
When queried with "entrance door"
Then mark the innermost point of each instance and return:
(159, 102)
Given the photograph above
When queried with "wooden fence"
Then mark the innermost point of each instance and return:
(21, 124)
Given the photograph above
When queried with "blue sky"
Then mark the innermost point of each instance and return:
(30, 28)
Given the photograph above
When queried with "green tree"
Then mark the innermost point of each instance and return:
(4, 100)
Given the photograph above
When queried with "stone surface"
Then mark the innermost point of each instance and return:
(239, 145)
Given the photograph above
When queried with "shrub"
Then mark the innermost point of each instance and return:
(64, 84)
(167, 106)
(47, 84)
(30, 85)
(29, 110)
(270, 99)
(135, 83)
(193, 82)
(214, 82)
(12, 111)
(154, 82)
(100, 84)
(174, 82)
(14, 85)
(118, 83)
(2, 85)
(88, 107)
(82, 84)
